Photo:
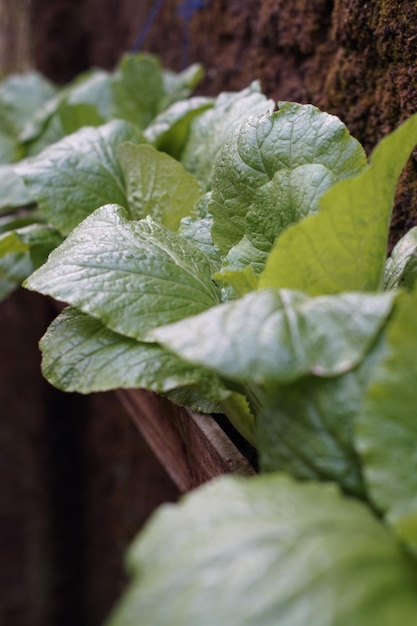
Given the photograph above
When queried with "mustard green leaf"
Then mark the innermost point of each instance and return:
(209, 130)
(21, 95)
(168, 131)
(138, 88)
(198, 231)
(13, 192)
(80, 354)
(307, 428)
(343, 247)
(157, 185)
(386, 429)
(267, 551)
(401, 266)
(179, 85)
(75, 176)
(93, 88)
(273, 169)
(272, 336)
(132, 275)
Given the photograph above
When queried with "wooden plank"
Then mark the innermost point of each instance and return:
(192, 448)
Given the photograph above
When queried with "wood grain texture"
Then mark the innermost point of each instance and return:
(192, 448)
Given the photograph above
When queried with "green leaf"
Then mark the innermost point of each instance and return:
(273, 169)
(266, 551)
(209, 130)
(14, 268)
(81, 354)
(10, 148)
(24, 245)
(343, 247)
(93, 88)
(37, 124)
(40, 240)
(21, 95)
(13, 193)
(15, 261)
(272, 336)
(50, 133)
(242, 281)
(401, 266)
(67, 119)
(242, 266)
(307, 428)
(386, 430)
(169, 130)
(178, 86)
(157, 185)
(138, 89)
(131, 275)
(198, 231)
(80, 173)
(76, 116)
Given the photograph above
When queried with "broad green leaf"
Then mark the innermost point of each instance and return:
(51, 132)
(138, 89)
(10, 243)
(401, 266)
(13, 193)
(14, 221)
(131, 275)
(14, 268)
(307, 428)
(273, 169)
(40, 240)
(24, 245)
(242, 266)
(10, 148)
(178, 86)
(272, 336)
(267, 551)
(22, 94)
(209, 130)
(81, 354)
(157, 185)
(36, 125)
(76, 116)
(66, 120)
(343, 247)
(80, 173)
(169, 130)
(94, 89)
(241, 281)
(386, 430)
(198, 231)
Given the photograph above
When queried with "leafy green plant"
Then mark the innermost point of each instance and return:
(38, 136)
(236, 257)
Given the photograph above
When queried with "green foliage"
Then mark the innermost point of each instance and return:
(234, 258)
(344, 245)
(267, 551)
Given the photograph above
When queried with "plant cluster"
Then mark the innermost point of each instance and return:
(233, 257)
